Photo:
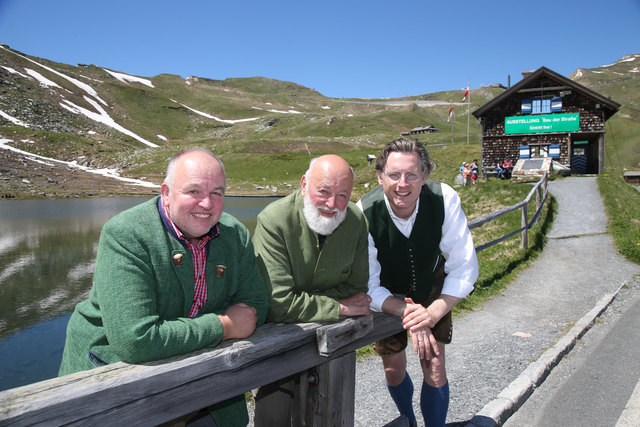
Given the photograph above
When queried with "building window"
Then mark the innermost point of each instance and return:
(541, 106)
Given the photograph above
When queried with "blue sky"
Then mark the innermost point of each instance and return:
(370, 49)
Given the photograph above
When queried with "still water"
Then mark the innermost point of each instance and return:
(47, 254)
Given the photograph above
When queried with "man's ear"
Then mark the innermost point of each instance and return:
(164, 192)
(303, 185)
(379, 173)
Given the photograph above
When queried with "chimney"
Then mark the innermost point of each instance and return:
(526, 74)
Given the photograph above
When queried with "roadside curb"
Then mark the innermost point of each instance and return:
(512, 397)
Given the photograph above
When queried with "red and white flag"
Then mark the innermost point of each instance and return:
(450, 113)
(466, 93)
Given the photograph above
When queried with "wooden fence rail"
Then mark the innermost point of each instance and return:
(540, 189)
(157, 392)
(322, 355)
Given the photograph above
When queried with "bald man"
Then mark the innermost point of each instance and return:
(311, 248)
(173, 275)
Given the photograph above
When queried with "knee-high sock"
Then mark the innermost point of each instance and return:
(402, 395)
(434, 403)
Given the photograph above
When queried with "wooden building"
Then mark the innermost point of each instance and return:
(421, 129)
(546, 115)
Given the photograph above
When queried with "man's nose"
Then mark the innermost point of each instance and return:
(207, 202)
(331, 202)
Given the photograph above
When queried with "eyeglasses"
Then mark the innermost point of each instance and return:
(408, 177)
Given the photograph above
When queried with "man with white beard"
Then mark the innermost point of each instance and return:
(311, 248)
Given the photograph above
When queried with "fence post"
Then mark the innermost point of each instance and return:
(326, 394)
(524, 244)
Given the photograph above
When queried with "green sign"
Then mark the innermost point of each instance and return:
(542, 123)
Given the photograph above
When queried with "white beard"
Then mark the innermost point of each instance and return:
(318, 223)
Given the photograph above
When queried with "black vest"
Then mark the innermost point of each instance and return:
(408, 264)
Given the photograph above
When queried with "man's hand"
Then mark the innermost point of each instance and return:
(239, 321)
(424, 344)
(416, 316)
(355, 305)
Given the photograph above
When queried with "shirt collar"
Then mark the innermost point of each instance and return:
(411, 218)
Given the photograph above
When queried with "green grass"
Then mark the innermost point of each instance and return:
(622, 204)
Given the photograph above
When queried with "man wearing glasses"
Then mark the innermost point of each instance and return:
(422, 262)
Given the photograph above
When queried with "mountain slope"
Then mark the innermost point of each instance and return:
(102, 118)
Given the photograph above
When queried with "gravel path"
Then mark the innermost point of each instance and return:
(577, 267)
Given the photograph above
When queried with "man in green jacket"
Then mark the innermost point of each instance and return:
(173, 275)
(311, 248)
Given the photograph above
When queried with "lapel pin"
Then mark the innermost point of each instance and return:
(220, 270)
(177, 260)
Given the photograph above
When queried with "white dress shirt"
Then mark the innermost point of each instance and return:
(461, 263)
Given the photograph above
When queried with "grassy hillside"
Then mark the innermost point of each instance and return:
(265, 130)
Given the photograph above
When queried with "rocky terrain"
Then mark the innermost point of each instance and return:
(24, 177)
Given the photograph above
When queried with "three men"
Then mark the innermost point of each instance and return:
(417, 234)
(311, 248)
(173, 275)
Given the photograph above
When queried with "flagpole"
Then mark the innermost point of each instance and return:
(451, 113)
(468, 108)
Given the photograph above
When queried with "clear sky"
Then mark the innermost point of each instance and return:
(344, 48)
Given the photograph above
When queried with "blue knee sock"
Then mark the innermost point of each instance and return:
(402, 395)
(434, 404)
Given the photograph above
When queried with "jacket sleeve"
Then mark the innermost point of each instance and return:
(128, 294)
(287, 304)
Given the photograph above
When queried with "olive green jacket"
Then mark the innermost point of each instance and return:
(305, 282)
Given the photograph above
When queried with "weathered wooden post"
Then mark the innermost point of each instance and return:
(325, 394)
(525, 236)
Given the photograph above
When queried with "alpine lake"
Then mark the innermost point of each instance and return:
(47, 256)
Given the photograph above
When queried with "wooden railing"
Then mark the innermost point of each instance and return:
(321, 355)
(540, 189)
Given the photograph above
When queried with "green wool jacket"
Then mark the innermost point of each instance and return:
(305, 282)
(138, 306)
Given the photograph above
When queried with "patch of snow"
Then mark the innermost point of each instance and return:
(164, 138)
(634, 70)
(109, 173)
(13, 119)
(278, 111)
(91, 132)
(103, 117)
(325, 107)
(12, 71)
(76, 82)
(349, 115)
(597, 72)
(44, 82)
(268, 103)
(125, 78)
(209, 116)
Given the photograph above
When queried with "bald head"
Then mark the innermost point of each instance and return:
(331, 166)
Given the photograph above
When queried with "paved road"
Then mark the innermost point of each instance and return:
(598, 382)
(502, 350)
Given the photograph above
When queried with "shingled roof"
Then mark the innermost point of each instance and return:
(608, 106)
